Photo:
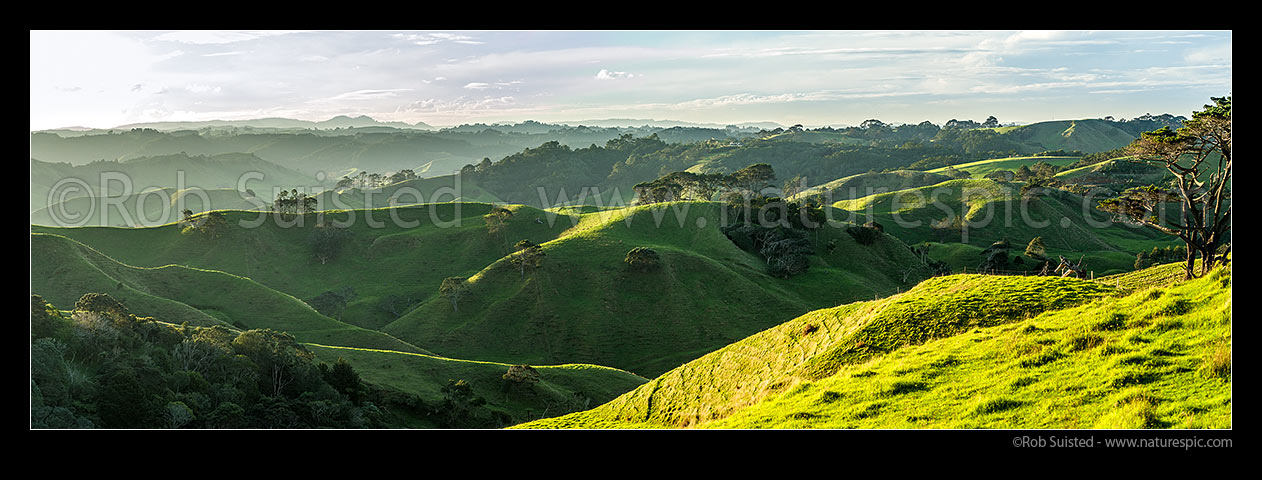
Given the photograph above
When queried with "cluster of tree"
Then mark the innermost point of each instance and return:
(210, 224)
(626, 161)
(332, 303)
(1160, 255)
(748, 181)
(776, 230)
(995, 258)
(294, 202)
(991, 122)
(375, 180)
(786, 251)
(865, 234)
(554, 168)
(1198, 156)
(102, 367)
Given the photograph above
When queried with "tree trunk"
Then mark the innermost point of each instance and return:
(1189, 269)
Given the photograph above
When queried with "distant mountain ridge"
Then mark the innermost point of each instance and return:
(340, 121)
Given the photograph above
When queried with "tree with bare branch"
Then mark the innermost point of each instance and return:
(1198, 155)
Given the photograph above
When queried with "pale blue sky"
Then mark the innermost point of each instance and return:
(107, 78)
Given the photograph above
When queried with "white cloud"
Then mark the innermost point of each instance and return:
(604, 74)
(224, 54)
(367, 94)
(460, 104)
(200, 88)
(210, 37)
(489, 86)
(436, 38)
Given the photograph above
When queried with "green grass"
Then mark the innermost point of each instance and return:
(992, 211)
(585, 306)
(864, 184)
(582, 306)
(404, 259)
(424, 375)
(1087, 135)
(62, 270)
(1077, 357)
(979, 169)
(149, 209)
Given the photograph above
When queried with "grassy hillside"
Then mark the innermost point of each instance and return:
(561, 388)
(62, 270)
(864, 184)
(151, 208)
(964, 351)
(981, 168)
(992, 211)
(407, 259)
(584, 305)
(180, 170)
(1088, 135)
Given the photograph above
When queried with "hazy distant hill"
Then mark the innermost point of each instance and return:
(222, 171)
(340, 121)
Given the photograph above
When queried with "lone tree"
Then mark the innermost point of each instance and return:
(453, 289)
(333, 302)
(497, 222)
(1198, 154)
(996, 257)
(327, 241)
(521, 376)
(642, 259)
(528, 255)
(1036, 249)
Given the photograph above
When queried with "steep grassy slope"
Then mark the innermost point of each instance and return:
(149, 209)
(992, 211)
(403, 252)
(979, 169)
(961, 352)
(62, 270)
(1088, 135)
(584, 305)
(561, 388)
(864, 184)
(1117, 174)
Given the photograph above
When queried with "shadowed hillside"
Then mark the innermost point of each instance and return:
(963, 351)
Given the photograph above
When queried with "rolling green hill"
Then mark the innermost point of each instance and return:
(175, 171)
(963, 351)
(382, 260)
(992, 211)
(1087, 135)
(150, 208)
(583, 305)
(62, 270)
(981, 168)
(561, 388)
(864, 184)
